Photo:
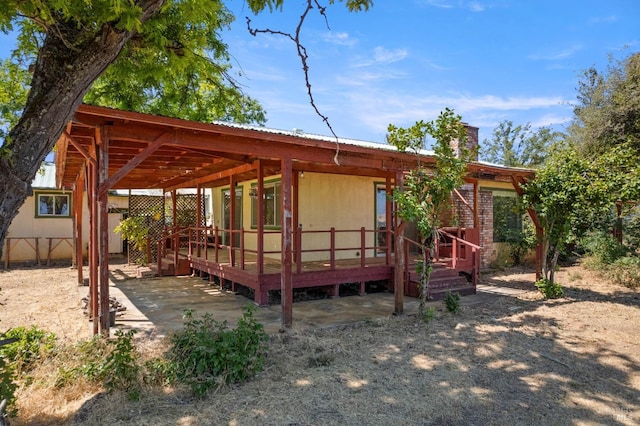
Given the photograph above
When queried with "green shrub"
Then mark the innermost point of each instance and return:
(122, 371)
(602, 249)
(29, 346)
(159, 372)
(452, 302)
(32, 344)
(625, 271)
(8, 385)
(550, 290)
(207, 354)
(429, 314)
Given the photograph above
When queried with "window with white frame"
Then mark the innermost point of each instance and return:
(272, 205)
(53, 205)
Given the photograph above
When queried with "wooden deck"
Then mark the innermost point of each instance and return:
(202, 253)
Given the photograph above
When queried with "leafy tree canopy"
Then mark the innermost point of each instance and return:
(519, 146)
(608, 110)
(135, 51)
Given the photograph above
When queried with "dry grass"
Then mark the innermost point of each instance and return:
(510, 360)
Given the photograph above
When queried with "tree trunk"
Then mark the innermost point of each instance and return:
(64, 71)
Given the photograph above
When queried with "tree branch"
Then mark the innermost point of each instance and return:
(304, 56)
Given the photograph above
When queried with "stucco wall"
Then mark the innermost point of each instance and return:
(27, 225)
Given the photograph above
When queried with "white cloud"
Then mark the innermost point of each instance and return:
(443, 4)
(475, 6)
(376, 109)
(382, 55)
(339, 38)
(554, 55)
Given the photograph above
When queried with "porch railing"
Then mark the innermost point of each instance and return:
(452, 250)
(207, 242)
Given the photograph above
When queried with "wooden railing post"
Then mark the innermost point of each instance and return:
(160, 243)
(215, 244)
(363, 247)
(332, 253)
(176, 249)
(242, 248)
(298, 240)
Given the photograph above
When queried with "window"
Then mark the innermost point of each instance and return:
(272, 206)
(52, 205)
(507, 223)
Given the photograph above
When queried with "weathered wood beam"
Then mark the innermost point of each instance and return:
(286, 286)
(102, 201)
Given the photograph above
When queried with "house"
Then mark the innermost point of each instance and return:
(288, 209)
(42, 231)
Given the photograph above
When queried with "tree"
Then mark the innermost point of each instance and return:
(608, 110)
(72, 43)
(519, 146)
(571, 193)
(425, 191)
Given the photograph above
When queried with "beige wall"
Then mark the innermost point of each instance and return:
(339, 201)
(27, 225)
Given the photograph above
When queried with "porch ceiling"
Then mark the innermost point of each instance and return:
(152, 152)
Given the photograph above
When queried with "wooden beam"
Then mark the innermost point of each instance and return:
(79, 147)
(92, 192)
(214, 176)
(286, 283)
(260, 219)
(109, 182)
(77, 209)
(103, 170)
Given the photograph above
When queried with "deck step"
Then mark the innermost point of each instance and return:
(440, 285)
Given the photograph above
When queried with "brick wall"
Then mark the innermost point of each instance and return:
(472, 142)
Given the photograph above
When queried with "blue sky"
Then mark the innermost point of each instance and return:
(402, 61)
(407, 60)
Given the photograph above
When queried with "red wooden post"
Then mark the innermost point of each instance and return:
(298, 233)
(216, 243)
(49, 251)
(103, 175)
(286, 283)
(93, 244)
(160, 243)
(77, 209)
(332, 249)
(198, 220)
(232, 219)
(363, 247)
(389, 221)
(260, 219)
(242, 248)
(37, 250)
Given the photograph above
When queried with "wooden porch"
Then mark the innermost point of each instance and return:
(199, 250)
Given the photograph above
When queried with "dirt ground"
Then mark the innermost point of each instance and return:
(510, 360)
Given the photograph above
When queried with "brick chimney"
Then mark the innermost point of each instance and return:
(472, 142)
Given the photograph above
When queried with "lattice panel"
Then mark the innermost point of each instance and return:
(186, 211)
(151, 207)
